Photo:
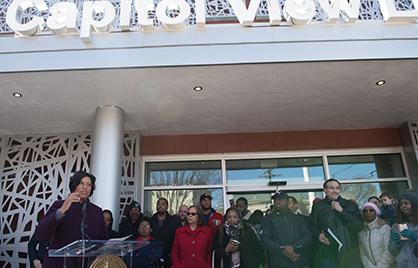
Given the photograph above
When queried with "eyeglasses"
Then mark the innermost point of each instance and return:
(191, 213)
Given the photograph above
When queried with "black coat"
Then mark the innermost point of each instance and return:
(165, 234)
(286, 228)
(36, 249)
(127, 227)
(147, 256)
(346, 226)
(250, 251)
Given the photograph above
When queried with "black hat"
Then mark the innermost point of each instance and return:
(76, 179)
(134, 204)
(411, 197)
(205, 195)
(280, 195)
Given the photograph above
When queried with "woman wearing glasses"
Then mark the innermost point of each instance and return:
(374, 239)
(192, 243)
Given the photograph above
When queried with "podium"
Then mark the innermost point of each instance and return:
(86, 249)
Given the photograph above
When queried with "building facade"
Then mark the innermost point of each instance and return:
(289, 99)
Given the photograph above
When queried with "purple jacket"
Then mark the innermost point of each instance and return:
(67, 229)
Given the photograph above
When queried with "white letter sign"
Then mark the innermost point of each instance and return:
(63, 18)
(90, 9)
(32, 27)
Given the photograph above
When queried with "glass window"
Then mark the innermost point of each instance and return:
(262, 201)
(263, 171)
(183, 173)
(178, 197)
(360, 192)
(356, 167)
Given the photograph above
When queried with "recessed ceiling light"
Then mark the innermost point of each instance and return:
(380, 82)
(198, 88)
(17, 95)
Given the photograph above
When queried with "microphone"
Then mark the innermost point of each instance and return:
(83, 225)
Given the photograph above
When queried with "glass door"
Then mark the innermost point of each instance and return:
(262, 200)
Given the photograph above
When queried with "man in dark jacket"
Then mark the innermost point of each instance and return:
(285, 237)
(336, 223)
(130, 224)
(164, 229)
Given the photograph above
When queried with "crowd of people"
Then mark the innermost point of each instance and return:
(338, 233)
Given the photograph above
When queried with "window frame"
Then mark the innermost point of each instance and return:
(223, 157)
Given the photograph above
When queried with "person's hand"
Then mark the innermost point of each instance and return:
(295, 257)
(396, 238)
(37, 264)
(336, 206)
(288, 250)
(290, 253)
(409, 234)
(231, 247)
(323, 239)
(72, 198)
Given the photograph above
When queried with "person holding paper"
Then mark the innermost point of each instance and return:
(405, 231)
(286, 236)
(72, 219)
(336, 223)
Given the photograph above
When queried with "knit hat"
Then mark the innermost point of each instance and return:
(373, 206)
(280, 195)
(134, 204)
(205, 195)
(411, 197)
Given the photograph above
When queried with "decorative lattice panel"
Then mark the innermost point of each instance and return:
(215, 10)
(130, 169)
(35, 172)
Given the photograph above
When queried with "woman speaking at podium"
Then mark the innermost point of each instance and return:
(72, 219)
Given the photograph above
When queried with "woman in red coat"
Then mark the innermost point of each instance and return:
(192, 245)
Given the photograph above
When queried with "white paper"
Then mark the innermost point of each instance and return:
(119, 239)
(340, 244)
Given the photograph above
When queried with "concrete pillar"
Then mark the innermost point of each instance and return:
(106, 158)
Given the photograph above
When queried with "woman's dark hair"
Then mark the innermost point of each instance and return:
(374, 197)
(111, 218)
(199, 215)
(258, 213)
(232, 209)
(76, 179)
(147, 219)
(401, 218)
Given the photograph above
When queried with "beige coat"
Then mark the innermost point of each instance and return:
(374, 245)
